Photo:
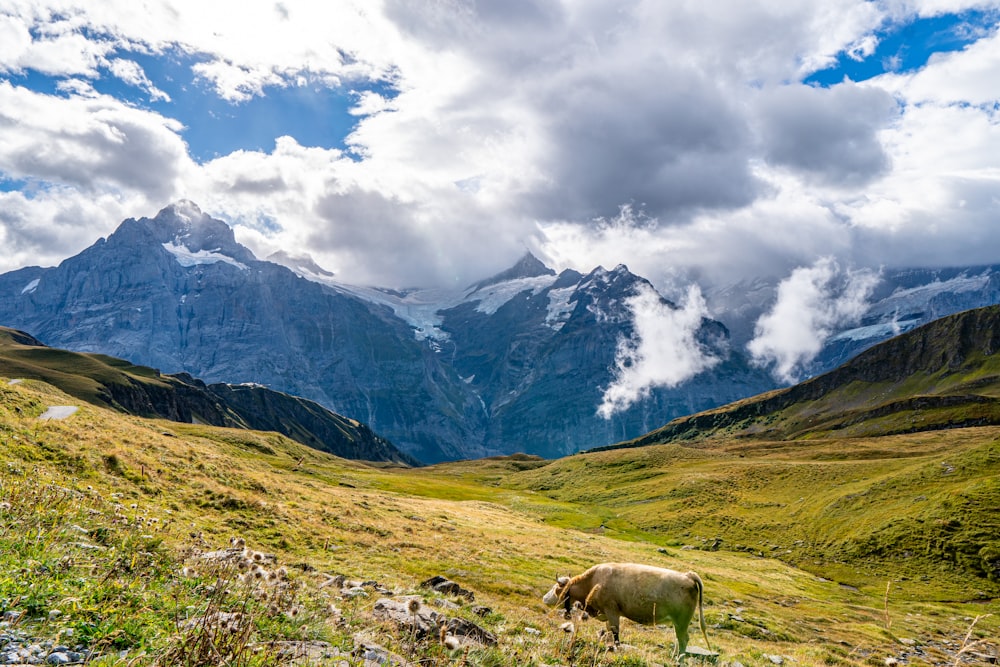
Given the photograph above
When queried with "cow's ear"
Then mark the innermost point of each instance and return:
(562, 581)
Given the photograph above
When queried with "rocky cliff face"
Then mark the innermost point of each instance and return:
(516, 363)
(176, 292)
(540, 350)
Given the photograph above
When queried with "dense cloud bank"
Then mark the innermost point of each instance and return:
(686, 140)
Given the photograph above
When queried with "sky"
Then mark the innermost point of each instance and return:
(433, 143)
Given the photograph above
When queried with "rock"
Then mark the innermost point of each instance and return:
(58, 658)
(355, 592)
(701, 653)
(445, 586)
(470, 631)
(373, 653)
(420, 624)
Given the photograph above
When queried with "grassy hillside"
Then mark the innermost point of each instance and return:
(106, 520)
(942, 375)
(139, 390)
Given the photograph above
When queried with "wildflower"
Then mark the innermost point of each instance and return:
(413, 606)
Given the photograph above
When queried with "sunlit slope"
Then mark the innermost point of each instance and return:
(922, 509)
(139, 390)
(478, 523)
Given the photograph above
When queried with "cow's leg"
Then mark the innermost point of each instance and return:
(614, 623)
(682, 639)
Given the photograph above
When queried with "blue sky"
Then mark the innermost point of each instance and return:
(402, 144)
(312, 112)
(906, 46)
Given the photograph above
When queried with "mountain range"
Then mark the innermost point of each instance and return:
(519, 362)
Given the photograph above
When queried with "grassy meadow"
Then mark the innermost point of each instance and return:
(818, 552)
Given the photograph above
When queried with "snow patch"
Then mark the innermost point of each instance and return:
(876, 331)
(560, 307)
(30, 287)
(187, 257)
(492, 297)
(913, 299)
(58, 412)
(418, 307)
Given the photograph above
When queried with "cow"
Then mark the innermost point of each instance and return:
(641, 593)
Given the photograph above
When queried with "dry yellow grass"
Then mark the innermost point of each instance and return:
(400, 527)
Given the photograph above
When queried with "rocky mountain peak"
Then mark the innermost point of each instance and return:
(300, 264)
(528, 266)
(183, 228)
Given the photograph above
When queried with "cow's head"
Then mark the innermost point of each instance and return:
(557, 593)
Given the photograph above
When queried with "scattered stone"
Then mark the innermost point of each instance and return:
(374, 654)
(420, 624)
(469, 631)
(355, 592)
(230, 554)
(702, 654)
(481, 611)
(445, 586)
(776, 659)
(446, 604)
(307, 652)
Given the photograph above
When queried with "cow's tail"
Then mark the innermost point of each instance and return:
(701, 615)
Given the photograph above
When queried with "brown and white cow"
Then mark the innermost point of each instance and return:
(641, 593)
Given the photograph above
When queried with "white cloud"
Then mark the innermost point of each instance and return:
(132, 73)
(47, 226)
(663, 351)
(811, 303)
(530, 122)
(94, 142)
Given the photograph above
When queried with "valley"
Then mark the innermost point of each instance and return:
(786, 536)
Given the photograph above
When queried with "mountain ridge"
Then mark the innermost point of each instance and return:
(940, 375)
(145, 392)
(519, 362)
(176, 292)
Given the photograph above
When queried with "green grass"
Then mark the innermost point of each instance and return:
(71, 540)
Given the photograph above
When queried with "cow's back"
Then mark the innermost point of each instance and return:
(638, 591)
